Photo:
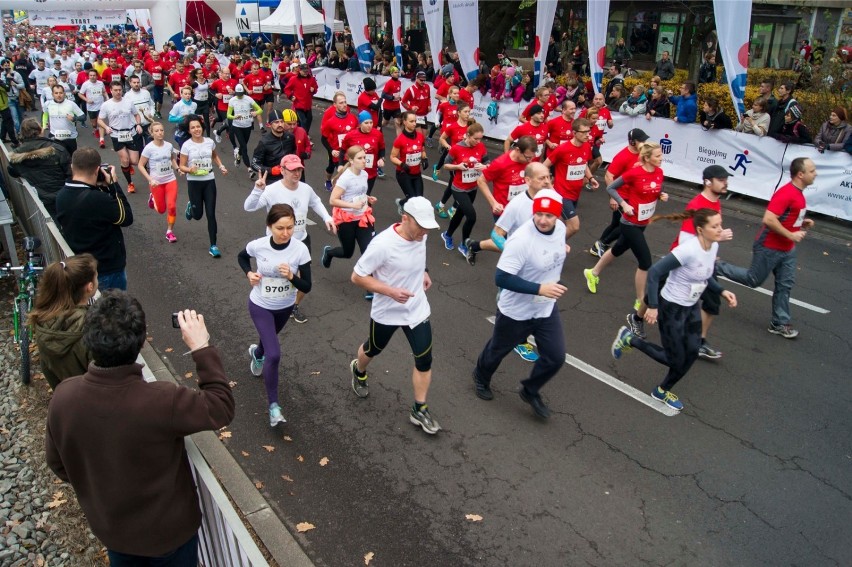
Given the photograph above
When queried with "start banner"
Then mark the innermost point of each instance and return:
(77, 17)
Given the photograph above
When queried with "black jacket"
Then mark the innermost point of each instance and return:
(718, 121)
(269, 151)
(91, 218)
(45, 165)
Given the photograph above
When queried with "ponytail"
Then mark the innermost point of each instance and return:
(699, 216)
(350, 155)
(62, 287)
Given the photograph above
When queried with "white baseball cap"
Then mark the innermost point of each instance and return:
(420, 209)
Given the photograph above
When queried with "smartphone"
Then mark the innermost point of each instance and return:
(175, 322)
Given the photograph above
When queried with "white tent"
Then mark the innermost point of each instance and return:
(283, 20)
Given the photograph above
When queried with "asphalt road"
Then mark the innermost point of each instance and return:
(755, 471)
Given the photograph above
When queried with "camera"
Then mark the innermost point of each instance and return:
(175, 322)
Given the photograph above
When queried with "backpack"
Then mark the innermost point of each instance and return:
(492, 111)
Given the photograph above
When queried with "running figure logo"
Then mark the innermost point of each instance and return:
(742, 161)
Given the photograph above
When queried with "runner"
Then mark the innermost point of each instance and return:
(409, 156)
(242, 111)
(201, 97)
(334, 127)
(570, 162)
(418, 100)
(535, 127)
(369, 100)
(283, 267)
(120, 119)
(197, 156)
(157, 164)
(602, 121)
(688, 270)
(353, 209)
(180, 112)
(144, 104)
(159, 69)
(640, 189)
(528, 274)
(268, 90)
(391, 101)
(223, 89)
(298, 195)
(448, 115)
(58, 118)
(394, 269)
(559, 129)
(277, 142)
(452, 133)
(301, 90)
(623, 160)
(373, 142)
(774, 250)
(466, 160)
(506, 174)
(93, 93)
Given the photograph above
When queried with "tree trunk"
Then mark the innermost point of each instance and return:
(495, 21)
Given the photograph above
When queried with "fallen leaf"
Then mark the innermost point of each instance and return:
(57, 501)
(444, 263)
(232, 383)
(368, 557)
(258, 485)
(57, 481)
(315, 373)
(287, 478)
(170, 349)
(300, 458)
(188, 375)
(225, 435)
(323, 462)
(825, 253)
(149, 339)
(303, 527)
(288, 438)
(244, 454)
(269, 448)
(473, 517)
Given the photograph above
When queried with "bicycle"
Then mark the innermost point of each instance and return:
(27, 283)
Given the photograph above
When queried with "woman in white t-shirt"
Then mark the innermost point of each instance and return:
(197, 157)
(159, 157)
(283, 267)
(352, 209)
(201, 97)
(687, 270)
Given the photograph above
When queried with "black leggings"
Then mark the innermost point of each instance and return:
(464, 206)
(411, 185)
(226, 125)
(349, 233)
(633, 238)
(419, 337)
(204, 113)
(203, 194)
(306, 117)
(680, 333)
(613, 231)
(332, 163)
(7, 126)
(370, 183)
(243, 135)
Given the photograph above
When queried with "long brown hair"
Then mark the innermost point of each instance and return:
(62, 287)
(699, 217)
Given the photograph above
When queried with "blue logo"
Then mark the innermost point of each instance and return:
(741, 162)
(666, 145)
(433, 2)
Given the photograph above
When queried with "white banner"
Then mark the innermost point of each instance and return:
(300, 32)
(831, 193)
(544, 12)
(396, 29)
(464, 19)
(433, 15)
(78, 17)
(598, 18)
(733, 25)
(356, 12)
(328, 8)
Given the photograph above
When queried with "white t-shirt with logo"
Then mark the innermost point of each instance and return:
(301, 198)
(120, 115)
(96, 93)
(201, 156)
(160, 161)
(517, 212)
(274, 290)
(399, 263)
(57, 114)
(243, 107)
(354, 189)
(535, 257)
(143, 102)
(685, 284)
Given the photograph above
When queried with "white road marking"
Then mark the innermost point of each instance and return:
(765, 291)
(602, 376)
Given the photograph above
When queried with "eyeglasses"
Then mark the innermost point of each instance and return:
(529, 157)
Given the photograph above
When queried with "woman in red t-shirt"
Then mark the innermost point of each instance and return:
(451, 134)
(409, 156)
(636, 192)
(466, 160)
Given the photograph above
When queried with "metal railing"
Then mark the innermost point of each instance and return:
(224, 540)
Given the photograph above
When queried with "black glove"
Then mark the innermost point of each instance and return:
(424, 163)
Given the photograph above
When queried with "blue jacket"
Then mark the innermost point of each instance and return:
(687, 108)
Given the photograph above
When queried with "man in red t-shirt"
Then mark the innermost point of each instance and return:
(391, 95)
(559, 129)
(506, 175)
(159, 70)
(571, 171)
(784, 225)
(418, 99)
(369, 100)
(178, 79)
(535, 127)
(301, 89)
(223, 89)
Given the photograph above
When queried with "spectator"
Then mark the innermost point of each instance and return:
(14, 85)
(686, 102)
(91, 210)
(834, 132)
(794, 130)
(616, 78)
(658, 104)
(61, 304)
(616, 98)
(133, 479)
(7, 122)
(713, 117)
(578, 59)
(552, 59)
(707, 71)
(785, 101)
(636, 104)
(620, 53)
(805, 51)
(756, 120)
(665, 68)
(652, 84)
(765, 90)
(333, 60)
(45, 164)
(575, 91)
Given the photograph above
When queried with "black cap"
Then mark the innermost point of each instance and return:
(369, 84)
(715, 172)
(637, 135)
(304, 66)
(535, 109)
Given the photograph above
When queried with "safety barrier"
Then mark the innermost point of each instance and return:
(224, 540)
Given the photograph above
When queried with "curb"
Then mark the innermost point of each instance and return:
(254, 508)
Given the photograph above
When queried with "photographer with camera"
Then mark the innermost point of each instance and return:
(91, 210)
(119, 440)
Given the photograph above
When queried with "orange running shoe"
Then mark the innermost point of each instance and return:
(131, 188)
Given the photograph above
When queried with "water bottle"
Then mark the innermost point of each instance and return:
(337, 84)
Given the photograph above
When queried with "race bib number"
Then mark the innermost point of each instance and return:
(301, 221)
(276, 288)
(421, 120)
(800, 219)
(646, 211)
(163, 168)
(203, 163)
(125, 136)
(226, 98)
(413, 160)
(515, 190)
(201, 95)
(470, 175)
(340, 140)
(601, 124)
(695, 290)
(576, 172)
(539, 149)
(257, 90)
(369, 160)
(157, 76)
(62, 134)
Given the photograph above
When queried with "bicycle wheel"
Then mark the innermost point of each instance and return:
(24, 342)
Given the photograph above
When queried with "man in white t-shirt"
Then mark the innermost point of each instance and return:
(119, 118)
(528, 274)
(144, 104)
(393, 268)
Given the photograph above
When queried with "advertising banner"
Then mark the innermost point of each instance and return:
(433, 15)
(356, 12)
(733, 22)
(598, 12)
(464, 19)
(78, 18)
(396, 25)
(544, 12)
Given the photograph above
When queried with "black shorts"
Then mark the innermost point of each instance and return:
(596, 152)
(93, 114)
(569, 209)
(419, 338)
(389, 114)
(270, 97)
(135, 145)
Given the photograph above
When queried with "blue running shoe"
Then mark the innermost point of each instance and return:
(188, 212)
(326, 259)
(448, 241)
(368, 296)
(441, 210)
(621, 344)
(667, 398)
(526, 351)
(275, 416)
(256, 364)
(380, 171)
(463, 250)
(214, 251)
(434, 173)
